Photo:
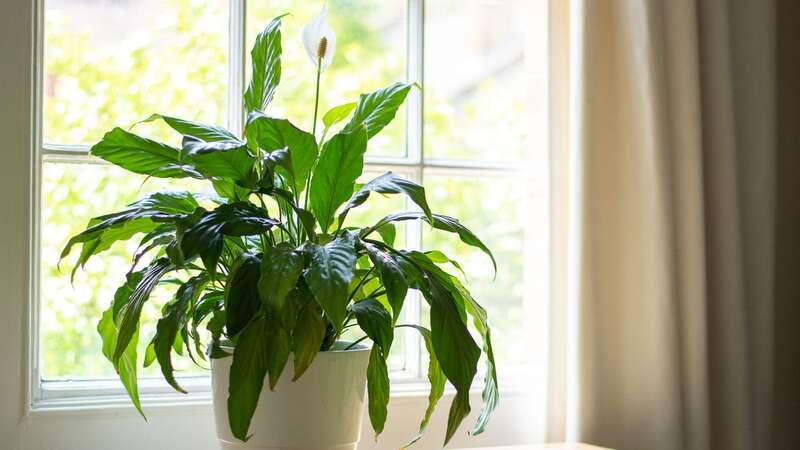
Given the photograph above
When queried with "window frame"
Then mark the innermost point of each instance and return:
(58, 394)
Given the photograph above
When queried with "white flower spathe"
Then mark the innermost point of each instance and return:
(320, 40)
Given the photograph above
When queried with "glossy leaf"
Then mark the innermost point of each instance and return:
(437, 381)
(376, 322)
(173, 320)
(125, 366)
(127, 313)
(392, 277)
(273, 134)
(389, 183)
(281, 267)
(329, 274)
(377, 389)
(221, 159)
(278, 348)
(308, 335)
(209, 133)
(241, 293)
(140, 155)
(340, 164)
(266, 73)
(247, 373)
(440, 222)
(377, 109)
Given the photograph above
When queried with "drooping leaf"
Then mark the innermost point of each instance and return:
(377, 109)
(338, 114)
(457, 352)
(436, 379)
(377, 389)
(209, 133)
(249, 367)
(340, 164)
(222, 159)
(392, 277)
(108, 330)
(329, 274)
(127, 314)
(172, 321)
(440, 222)
(266, 74)
(389, 183)
(278, 349)
(376, 322)
(440, 258)
(308, 335)
(142, 216)
(205, 238)
(281, 267)
(273, 134)
(140, 155)
(241, 293)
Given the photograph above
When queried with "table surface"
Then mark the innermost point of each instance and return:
(545, 447)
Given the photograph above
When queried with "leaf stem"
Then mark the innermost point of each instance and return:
(314, 125)
(355, 343)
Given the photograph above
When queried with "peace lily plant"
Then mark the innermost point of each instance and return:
(270, 266)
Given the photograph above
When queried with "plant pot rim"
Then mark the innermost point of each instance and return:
(360, 347)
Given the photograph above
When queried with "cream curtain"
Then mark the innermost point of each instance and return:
(663, 163)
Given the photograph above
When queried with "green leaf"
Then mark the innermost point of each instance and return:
(249, 367)
(209, 133)
(440, 222)
(436, 379)
(389, 183)
(388, 233)
(440, 258)
(222, 159)
(205, 238)
(329, 274)
(266, 57)
(278, 349)
(107, 328)
(172, 321)
(377, 389)
(308, 335)
(392, 277)
(376, 322)
(377, 109)
(127, 313)
(457, 352)
(281, 267)
(338, 114)
(241, 293)
(140, 155)
(139, 217)
(272, 134)
(340, 164)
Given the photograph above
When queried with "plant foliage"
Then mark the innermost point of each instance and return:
(270, 264)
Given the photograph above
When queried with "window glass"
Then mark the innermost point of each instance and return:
(475, 79)
(114, 62)
(370, 54)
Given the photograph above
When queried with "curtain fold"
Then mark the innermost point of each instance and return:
(663, 163)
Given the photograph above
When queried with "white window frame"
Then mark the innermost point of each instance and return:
(38, 417)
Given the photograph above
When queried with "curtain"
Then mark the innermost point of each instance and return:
(663, 168)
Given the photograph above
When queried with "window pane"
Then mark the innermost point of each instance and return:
(370, 54)
(475, 79)
(495, 209)
(113, 62)
(71, 194)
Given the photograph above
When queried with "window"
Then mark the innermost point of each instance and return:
(467, 136)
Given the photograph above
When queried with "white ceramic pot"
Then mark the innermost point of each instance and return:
(320, 411)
